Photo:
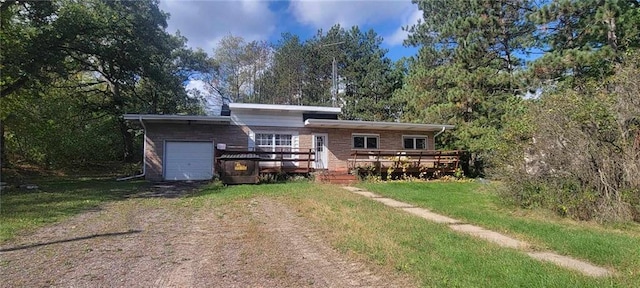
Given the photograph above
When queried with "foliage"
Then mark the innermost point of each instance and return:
(583, 154)
(283, 82)
(584, 39)
(301, 73)
(237, 68)
(84, 64)
(575, 149)
(558, 135)
(468, 71)
(52, 130)
(368, 77)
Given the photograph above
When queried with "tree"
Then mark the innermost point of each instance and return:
(237, 68)
(468, 70)
(584, 39)
(258, 57)
(30, 37)
(301, 73)
(115, 55)
(52, 129)
(283, 80)
(582, 149)
(575, 147)
(368, 77)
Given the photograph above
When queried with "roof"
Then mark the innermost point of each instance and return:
(282, 108)
(373, 125)
(195, 119)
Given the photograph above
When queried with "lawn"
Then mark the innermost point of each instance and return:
(428, 252)
(615, 246)
(385, 237)
(56, 199)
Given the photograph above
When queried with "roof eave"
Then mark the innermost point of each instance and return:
(373, 125)
(158, 118)
(285, 108)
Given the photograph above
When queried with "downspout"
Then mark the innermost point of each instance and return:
(144, 156)
(441, 131)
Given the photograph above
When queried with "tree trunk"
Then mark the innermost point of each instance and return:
(127, 137)
(127, 141)
(3, 153)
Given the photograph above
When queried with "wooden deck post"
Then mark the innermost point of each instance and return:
(379, 164)
(309, 160)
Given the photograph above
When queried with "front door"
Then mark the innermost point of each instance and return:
(322, 153)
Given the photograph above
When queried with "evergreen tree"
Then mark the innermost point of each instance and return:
(368, 78)
(301, 73)
(468, 70)
(585, 39)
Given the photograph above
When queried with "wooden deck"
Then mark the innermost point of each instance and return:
(385, 163)
(431, 163)
(290, 162)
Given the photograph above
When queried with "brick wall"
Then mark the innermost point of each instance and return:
(340, 143)
(339, 140)
(158, 134)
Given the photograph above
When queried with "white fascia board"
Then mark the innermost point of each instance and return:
(355, 124)
(177, 118)
(292, 108)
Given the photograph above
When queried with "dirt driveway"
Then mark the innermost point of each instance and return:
(171, 242)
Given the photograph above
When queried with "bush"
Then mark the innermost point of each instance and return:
(577, 151)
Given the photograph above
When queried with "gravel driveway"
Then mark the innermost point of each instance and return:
(171, 242)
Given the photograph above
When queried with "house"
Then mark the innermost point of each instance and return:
(292, 138)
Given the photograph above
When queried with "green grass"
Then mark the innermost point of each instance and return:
(56, 199)
(399, 243)
(612, 246)
(392, 241)
(428, 252)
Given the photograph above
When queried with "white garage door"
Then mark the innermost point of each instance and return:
(188, 161)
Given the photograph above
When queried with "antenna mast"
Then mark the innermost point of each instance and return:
(334, 76)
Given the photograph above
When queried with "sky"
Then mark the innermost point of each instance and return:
(205, 22)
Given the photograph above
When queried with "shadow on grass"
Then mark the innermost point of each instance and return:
(58, 198)
(34, 245)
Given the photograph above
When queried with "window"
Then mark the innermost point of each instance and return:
(415, 142)
(365, 141)
(275, 142)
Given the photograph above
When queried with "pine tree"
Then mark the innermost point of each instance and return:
(585, 39)
(468, 70)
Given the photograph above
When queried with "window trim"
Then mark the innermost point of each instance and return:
(414, 137)
(365, 135)
(273, 146)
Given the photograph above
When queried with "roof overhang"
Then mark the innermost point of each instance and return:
(284, 108)
(373, 125)
(188, 119)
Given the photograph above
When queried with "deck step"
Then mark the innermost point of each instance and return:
(336, 177)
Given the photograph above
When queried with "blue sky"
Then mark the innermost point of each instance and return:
(205, 22)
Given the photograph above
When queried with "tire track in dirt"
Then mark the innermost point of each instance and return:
(307, 256)
(250, 243)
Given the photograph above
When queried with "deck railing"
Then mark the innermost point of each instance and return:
(301, 157)
(439, 161)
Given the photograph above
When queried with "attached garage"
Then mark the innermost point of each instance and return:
(188, 160)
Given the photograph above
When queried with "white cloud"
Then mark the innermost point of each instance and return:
(322, 14)
(205, 22)
(326, 13)
(409, 18)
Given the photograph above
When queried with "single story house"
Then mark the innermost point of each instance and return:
(182, 147)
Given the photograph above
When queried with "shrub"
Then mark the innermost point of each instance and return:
(577, 151)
